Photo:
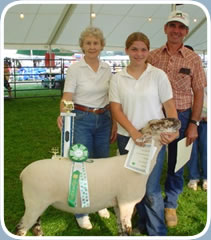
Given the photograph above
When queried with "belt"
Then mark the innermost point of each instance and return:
(93, 110)
(182, 110)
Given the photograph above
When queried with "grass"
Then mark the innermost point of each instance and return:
(30, 132)
(25, 89)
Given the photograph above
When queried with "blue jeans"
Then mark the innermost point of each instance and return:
(174, 181)
(197, 164)
(93, 131)
(151, 208)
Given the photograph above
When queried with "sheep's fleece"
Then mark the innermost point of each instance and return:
(46, 182)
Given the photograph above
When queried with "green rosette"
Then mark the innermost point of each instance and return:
(78, 153)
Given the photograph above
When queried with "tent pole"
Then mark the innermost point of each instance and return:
(173, 7)
(90, 15)
(50, 61)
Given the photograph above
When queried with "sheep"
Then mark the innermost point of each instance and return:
(46, 182)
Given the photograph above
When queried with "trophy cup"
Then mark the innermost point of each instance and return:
(67, 128)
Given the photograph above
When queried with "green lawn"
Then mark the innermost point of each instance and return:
(23, 89)
(30, 132)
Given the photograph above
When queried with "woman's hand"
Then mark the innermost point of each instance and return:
(166, 138)
(59, 122)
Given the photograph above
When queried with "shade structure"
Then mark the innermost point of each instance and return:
(57, 52)
(58, 26)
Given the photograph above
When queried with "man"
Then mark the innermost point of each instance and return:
(6, 79)
(187, 77)
(197, 165)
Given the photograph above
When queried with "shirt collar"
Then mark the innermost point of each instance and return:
(84, 64)
(180, 50)
(126, 74)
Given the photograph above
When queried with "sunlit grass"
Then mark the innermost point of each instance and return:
(30, 131)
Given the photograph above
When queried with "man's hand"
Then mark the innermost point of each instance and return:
(191, 133)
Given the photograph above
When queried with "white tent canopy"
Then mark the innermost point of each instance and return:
(48, 26)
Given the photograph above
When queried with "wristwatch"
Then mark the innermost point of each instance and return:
(194, 122)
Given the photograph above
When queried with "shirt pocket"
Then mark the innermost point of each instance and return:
(183, 82)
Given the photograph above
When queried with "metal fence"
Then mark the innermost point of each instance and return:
(32, 78)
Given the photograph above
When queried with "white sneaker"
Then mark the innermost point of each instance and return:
(84, 222)
(193, 184)
(104, 213)
(204, 185)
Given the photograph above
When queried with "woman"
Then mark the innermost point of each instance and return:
(87, 85)
(138, 94)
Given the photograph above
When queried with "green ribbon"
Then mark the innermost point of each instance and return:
(78, 153)
(72, 197)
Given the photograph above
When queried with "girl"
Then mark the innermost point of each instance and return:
(139, 94)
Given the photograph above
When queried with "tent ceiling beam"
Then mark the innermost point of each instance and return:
(49, 26)
(196, 28)
(60, 25)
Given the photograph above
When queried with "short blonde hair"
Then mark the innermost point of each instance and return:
(93, 31)
(137, 36)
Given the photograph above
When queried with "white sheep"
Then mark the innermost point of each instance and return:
(46, 182)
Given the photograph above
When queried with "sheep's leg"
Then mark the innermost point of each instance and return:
(37, 229)
(117, 212)
(126, 211)
(31, 215)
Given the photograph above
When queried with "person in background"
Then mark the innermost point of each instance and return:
(87, 85)
(197, 164)
(6, 79)
(137, 95)
(188, 80)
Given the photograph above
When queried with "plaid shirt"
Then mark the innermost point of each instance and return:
(184, 70)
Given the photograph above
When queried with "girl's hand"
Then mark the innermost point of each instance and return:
(166, 138)
(136, 136)
(113, 132)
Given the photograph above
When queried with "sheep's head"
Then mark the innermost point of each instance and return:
(157, 126)
(163, 125)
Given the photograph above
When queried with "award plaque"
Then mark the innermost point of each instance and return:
(67, 127)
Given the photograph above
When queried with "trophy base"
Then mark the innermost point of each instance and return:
(59, 157)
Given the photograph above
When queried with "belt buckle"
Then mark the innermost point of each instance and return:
(94, 110)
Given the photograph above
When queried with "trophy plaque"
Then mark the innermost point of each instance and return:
(67, 128)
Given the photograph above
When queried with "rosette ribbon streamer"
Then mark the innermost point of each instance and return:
(78, 153)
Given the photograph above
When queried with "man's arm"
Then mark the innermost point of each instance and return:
(191, 132)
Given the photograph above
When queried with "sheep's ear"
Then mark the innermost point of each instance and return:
(154, 121)
(147, 138)
(146, 129)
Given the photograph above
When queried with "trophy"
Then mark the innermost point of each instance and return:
(78, 154)
(67, 128)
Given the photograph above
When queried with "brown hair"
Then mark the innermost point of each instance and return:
(137, 36)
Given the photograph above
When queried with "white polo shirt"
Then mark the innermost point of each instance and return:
(141, 99)
(89, 88)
